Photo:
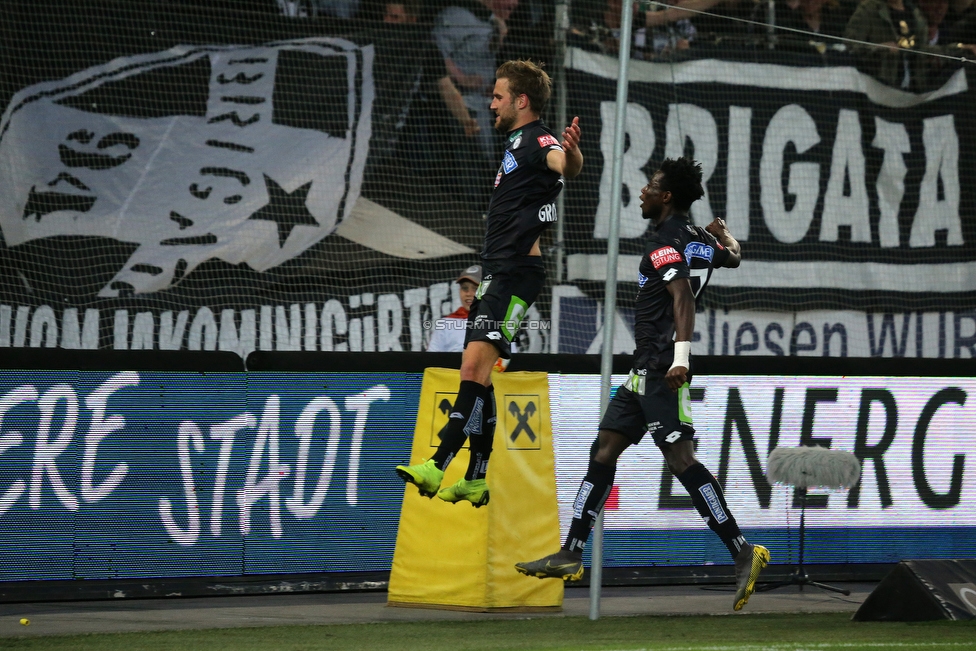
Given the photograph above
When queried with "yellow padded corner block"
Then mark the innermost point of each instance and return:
(455, 556)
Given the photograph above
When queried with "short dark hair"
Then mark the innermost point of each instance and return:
(529, 79)
(682, 177)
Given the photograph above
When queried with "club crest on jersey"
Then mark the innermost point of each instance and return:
(547, 141)
(508, 162)
(664, 256)
(515, 136)
(698, 250)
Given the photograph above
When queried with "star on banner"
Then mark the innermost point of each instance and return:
(287, 209)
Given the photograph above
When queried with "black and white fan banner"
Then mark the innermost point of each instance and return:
(830, 179)
(233, 167)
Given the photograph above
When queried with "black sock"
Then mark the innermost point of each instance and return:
(480, 444)
(464, 421)
(593, 492)
(709, 501)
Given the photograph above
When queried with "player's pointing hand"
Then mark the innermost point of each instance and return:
(571, 136)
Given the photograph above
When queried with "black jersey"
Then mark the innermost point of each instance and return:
(523, 202)
(677, 249)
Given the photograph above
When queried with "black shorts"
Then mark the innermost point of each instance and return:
(506, 291)
(645, 403)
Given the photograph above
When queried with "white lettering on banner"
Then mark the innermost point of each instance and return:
(790, 124)
(303, 430)
(360, 404)
(72, 336)
(11, 439)
(47, 452)
(225, 433)
(189, 441)
(389, 322)
(414, 300)
(102, 426)
(737, 171)
(44, 328)
(143, 331)
(847, 164)
(203, 331)
(892, 138)
(846, 200)
(815, 333)
(380, 326)
(640, 128)
(913, 436)
(170, 333)
(334, 323)
(188, 431)
(941, 162)
(240, 341)
(288, 332)
(255, 490)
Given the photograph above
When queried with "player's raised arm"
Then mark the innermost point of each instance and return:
(720, 230)
(684, 326)
(569, 161)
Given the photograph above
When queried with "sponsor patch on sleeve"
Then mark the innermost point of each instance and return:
(547, 141)
(508, 162)
(699, 250)
(664, 256)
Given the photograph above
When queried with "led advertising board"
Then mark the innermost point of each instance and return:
(166, 474)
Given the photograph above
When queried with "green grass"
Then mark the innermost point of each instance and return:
(819, 632)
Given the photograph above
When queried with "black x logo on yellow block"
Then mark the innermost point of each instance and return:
(522, 421)
(443, 404)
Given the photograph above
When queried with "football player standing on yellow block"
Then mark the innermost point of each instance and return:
(523, 203)
(674, 270)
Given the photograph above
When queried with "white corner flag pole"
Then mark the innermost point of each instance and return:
(610, 291)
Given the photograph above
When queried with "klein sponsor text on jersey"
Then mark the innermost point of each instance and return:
(664, 256)
(547, 141)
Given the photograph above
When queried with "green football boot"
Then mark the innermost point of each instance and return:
(474, 491)
(561, 565)
(425, 476)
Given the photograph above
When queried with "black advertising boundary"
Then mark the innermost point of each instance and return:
(590, 364)
(267, 584)
(61, 359)
(55, 359)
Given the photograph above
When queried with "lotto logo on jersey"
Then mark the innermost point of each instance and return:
(547, 141)
(664, 256)
(508, 162)
(641, 279)
(698, 250)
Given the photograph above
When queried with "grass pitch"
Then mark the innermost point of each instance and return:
(819, 632)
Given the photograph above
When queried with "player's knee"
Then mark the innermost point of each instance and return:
(680, 456)
(476, 375)
(604, 451)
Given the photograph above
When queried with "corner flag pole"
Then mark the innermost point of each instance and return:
(610, 291)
